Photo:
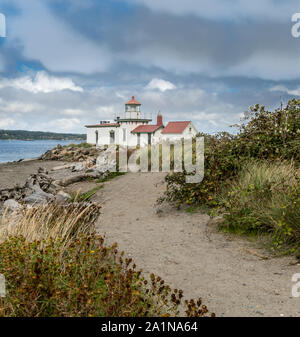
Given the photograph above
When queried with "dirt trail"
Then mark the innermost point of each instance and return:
(227, 272)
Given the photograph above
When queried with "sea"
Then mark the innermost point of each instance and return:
(14, 150)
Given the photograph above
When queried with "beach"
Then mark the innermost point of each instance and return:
(15, 173)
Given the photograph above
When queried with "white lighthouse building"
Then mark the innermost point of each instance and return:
(133, 129)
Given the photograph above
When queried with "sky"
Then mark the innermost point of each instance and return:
(68, 63)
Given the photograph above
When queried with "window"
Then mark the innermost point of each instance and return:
(124, 135)
(112, 137)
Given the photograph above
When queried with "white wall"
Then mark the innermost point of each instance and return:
(132, 139)
(103, 135)
(91, 136)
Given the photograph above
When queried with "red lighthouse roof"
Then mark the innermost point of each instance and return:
(133, 101)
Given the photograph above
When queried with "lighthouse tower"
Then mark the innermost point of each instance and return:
(133, 109)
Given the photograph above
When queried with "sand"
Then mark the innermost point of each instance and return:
(228, 272)
(17, 173)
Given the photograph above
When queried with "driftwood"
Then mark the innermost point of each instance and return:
(77, 178)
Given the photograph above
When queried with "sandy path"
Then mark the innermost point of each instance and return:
(190, 254)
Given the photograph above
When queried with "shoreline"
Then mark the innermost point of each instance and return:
(16, 173)
(19, 161)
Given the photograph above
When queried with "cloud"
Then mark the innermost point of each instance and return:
(220, 9)
(18, 107)
(161, 85)
(42, 82)
(44, 37)
(282, 88)
(64, 124)
(73, 112)
(7, 123)
(163, 38)
(86, 59)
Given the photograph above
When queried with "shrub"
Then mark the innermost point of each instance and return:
(266, 135)
(287, 229)
(87, 279)
(221, 165)
(269, 135)
(254, 201)
(55, 265)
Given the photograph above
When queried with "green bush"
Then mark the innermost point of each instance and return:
(287, 229)
(88, 279)
(271, 135)
(266, 135)
(254, 201)
(221, 165)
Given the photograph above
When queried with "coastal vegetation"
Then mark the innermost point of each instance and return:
(251, 178)
(38, 135)
(55, 265)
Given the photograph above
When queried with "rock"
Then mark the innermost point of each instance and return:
(90, 162)
(62, 197)
(12, 205)
(159, 211)
(62, 167)
(77, 178)
(38, 197)
(42, 170)
(78, 167)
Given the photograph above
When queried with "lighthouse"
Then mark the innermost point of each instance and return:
(133, 109)
(133, 129)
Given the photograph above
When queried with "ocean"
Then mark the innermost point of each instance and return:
(13, 150)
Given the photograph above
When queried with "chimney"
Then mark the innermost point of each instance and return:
(159, 119)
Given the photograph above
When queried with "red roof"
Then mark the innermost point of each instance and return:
(146, 128)
(175, 127)
(133, 101)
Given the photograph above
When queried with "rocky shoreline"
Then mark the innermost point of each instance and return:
(74, 163)
(72, 153)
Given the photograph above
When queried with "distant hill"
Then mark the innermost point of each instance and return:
(39, 135)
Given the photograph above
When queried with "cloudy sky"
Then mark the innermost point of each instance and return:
(67, 63)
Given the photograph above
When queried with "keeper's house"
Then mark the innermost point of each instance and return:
(133, 129)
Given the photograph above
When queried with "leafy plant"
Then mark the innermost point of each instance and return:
(88, 279)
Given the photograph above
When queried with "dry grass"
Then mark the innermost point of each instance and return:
(63, 222)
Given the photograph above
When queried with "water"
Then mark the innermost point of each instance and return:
(13, 150)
